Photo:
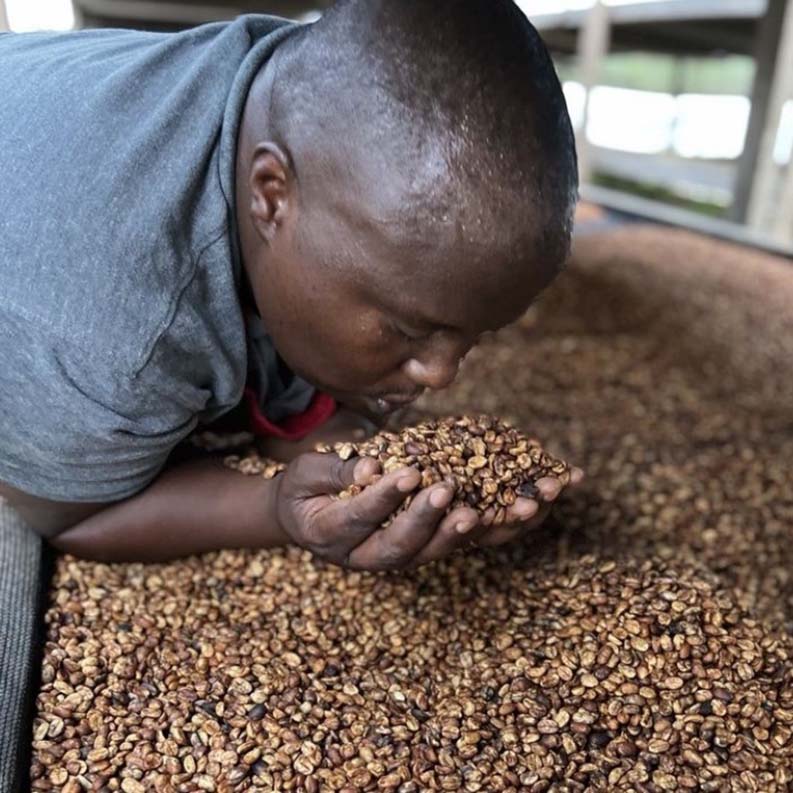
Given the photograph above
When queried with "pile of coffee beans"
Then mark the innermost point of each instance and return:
(490, 463)
(253, 671)
(643, 641)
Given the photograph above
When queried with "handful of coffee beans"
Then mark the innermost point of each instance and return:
(490, 463)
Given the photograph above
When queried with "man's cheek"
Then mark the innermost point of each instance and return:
(352, 361)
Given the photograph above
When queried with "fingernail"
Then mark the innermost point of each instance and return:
(440, 497)
(464, 526)
(550, 488)
(406, 483)
(359, 472)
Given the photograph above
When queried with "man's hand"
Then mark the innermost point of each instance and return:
(348, 531)
(524, 515)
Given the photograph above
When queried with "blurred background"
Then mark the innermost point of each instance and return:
(683, 108)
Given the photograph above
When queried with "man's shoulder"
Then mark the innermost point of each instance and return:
(110, 194)
(114, 221)
(119, 317)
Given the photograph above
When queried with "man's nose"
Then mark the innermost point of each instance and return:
(435, 372)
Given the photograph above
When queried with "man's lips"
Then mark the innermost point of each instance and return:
(383, 405)
(399, 399)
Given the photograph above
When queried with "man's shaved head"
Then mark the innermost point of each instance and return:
(459, 98)
(406, 180)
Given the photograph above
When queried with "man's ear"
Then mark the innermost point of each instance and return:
(271, 189)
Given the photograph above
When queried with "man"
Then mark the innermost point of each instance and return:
(331, 213)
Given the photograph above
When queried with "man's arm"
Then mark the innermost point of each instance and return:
(195, 505)
(191, 508)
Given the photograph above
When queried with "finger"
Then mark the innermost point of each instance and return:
(354, 519)
(549, 487)
(521, 514)
(393, 547)
(576, 476)
(522, 510)
(317, 474)
(455, 531)
(499, 535)
(365, 470)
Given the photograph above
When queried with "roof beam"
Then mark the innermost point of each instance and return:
(185, 14)
(658, 11)
(163, 13)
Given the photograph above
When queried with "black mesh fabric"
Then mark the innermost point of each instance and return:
(21, 578)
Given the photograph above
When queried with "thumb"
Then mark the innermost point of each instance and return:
(327, 474)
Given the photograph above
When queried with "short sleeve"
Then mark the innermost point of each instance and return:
(76, 428)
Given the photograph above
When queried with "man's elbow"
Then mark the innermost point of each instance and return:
(49, 519)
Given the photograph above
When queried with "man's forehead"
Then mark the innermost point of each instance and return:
(453, 290)
(443, 261)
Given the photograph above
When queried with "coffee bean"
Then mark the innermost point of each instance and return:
(528, 490)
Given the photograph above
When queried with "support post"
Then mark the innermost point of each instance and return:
(3, 17)
(593, 46)
(766, 49)
(784, 220)
(764, 204)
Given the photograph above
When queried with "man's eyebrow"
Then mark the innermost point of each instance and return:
(425, 322)
(403, 314)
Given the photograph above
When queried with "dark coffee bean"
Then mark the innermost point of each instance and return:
(527, 490)
(675, 628)
(599, 739)
(652, 761)
(722, 694)
(258, 768)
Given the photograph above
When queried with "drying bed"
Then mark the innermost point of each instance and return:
(640, 641)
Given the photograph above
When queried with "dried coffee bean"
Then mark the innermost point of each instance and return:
(252, 464)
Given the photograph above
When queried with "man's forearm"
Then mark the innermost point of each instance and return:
(191, 508)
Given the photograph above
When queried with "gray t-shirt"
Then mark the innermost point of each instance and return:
(121, 328)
